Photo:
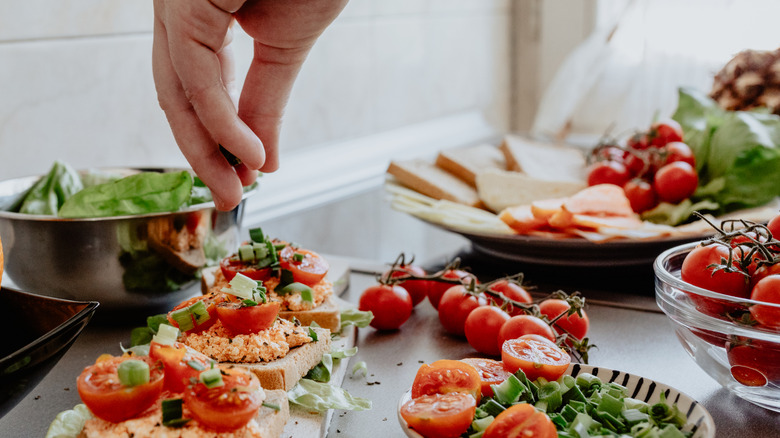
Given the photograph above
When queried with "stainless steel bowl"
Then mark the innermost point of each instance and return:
(117, 261)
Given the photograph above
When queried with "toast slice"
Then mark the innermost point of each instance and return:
(434, 182)
(544, 161)
(284, 373)
(468, 162)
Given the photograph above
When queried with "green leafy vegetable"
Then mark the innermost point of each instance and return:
(47, 195)
(147, 192)
(319, 397)
(143, 335)
(737, 152)
(353, 317)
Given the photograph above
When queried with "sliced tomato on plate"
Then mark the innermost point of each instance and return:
(491, 372)
(445, 376)
(101, 390)
(180, 364)
(440, 415)
(537, 356)
(228, 406)
(241, 319)
(520, 421)
(307, 267)
(231, 266)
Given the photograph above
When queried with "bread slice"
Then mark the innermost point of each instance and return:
(503, 189)
(284, 373)
(467, 162)
(326, 315)
(544, 161)
(271, 421)
(432, 181)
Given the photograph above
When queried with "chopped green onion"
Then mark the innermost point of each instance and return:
(298, 257)
(256, 234)
(273, 406)
(183, 319)
(199, 312)
(212, 378)
(246, 253)
(241, 286)
(166, 334)
(307, 294)
(508, 391)
(481, 424)
(313, 335)
(493, 407)
(133, 372)
(249, 303)
(172, 413)
(261, 252)
(195, 365)
(360, 367)
(280, 246)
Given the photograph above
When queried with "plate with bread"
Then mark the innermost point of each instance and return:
(528, 201)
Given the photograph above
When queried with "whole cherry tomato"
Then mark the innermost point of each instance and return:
(521, 325)
(641, 195)
(436, 289)
(774, 227)
(767, 290)
(513, 291)
(574, 324)
(638, 141)
(675, 182)
(700, 268)
(418, 289)
(391, 305)
(608, 172)
(679, 151)
(455, 306)
(665, 131)
(482, 327)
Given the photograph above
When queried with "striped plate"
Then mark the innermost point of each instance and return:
(699, 420)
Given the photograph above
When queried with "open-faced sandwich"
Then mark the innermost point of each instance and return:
(239, 323)
(175, 391)
(293, 276)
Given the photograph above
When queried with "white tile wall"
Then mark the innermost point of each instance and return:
(76, 85)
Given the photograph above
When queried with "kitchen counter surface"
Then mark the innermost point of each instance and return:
(631, 333)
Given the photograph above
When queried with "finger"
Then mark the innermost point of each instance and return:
(226, 58)
(195, 37)
(194, 141)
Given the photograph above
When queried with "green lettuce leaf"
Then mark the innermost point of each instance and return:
(676, 214)
(147, 192)
(352, 316)
(68, 424)
(47, 195)
(319, 397)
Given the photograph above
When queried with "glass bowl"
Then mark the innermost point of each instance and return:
(713, 330)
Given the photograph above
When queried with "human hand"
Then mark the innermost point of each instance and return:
(194, 75)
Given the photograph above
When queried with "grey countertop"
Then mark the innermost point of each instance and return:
(631, 333)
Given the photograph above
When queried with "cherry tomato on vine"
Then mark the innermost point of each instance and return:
(536, 356)
(390, 304)
(763, 271)
(445, 376)
(418, 289)
(767, 290)
(521, 420)
(513, 291)
(608, 172)
(665, 131)
(229, 406)
(436, 289)
(679, 151)
(101, 390)
(481, 328)
(700, 269)
(440, 415)
(675, 182)
(641, 195)
(774, 227)
(521, 325)
(491, 372)
(573, 324)
(455, 306)
(638, 141)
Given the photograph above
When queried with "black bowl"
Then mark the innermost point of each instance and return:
(37, 331)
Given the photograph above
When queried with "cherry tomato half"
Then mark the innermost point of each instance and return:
(230, 267)
(536, 356)
(179, 363)
(445, 376)
(491, 372)
(210, 300)
(307, 267)
(520, 421)
(390, 304)
(481, 328)
(241, 320)
(440, 415)
(100, 389)
(229, 406)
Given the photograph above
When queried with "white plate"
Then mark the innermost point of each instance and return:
(699, 420)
